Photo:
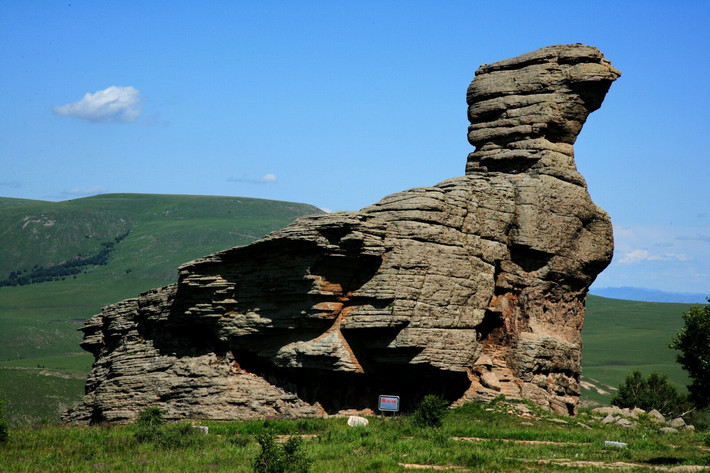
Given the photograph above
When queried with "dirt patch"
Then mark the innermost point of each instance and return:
(415, 466)
(615, 465)
(529, 442)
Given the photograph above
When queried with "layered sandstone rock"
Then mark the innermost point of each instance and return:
(469, 289)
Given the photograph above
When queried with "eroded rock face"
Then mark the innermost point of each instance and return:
(469, 289)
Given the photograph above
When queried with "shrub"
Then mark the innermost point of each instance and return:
(4, 431)
(656, 392)
(152, 428)
(693, 343)
(150, 425)
(179, 436)
(275, 458)
(430, 411)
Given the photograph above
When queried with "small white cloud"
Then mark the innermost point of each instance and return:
(114, 104)
(265, 179)
(84, 192)
(672, 256)
(268, 178)
(634, 256)
(637, 256)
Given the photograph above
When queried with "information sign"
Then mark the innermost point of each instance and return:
(389, 403)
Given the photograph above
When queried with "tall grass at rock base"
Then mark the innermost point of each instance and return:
(504, 436)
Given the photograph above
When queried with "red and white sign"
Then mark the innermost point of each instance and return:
(389, 403)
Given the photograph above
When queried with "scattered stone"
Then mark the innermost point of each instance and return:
(613, 410)
(636, 412)
(583, 425)
(609, 419)
(623, 422)
(678, 422)
(484, 360)
(357, 421)
(490, 381)
(657, 415)
(297, 323)
(611, 443)
(689, 427)
(202, 428)
(668, 430)
(688, 468)
(558, 421)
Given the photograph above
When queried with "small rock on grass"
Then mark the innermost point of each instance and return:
(657, 415)
(678, 422)
(624, 422)
(357, 421)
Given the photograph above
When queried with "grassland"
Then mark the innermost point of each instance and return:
(621, 336)
(494, 437)
(42, 367)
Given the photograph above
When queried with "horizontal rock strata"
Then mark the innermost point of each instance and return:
(469, 289)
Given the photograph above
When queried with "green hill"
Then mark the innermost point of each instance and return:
(143, 239)
(620, 336)
(48, 234)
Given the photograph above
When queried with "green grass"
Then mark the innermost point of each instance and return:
(164, 230)
(475, 437)
(621, 336)
(39, 322)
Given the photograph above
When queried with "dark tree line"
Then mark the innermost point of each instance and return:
(72, 267)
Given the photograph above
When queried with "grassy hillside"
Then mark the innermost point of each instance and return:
(167, 230)
(40, 321)
(621, 336)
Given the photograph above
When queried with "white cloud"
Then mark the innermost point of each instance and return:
(634, 256)
(84, 192)
(637, 256)
(268, 178)
(114, 104)
(265, 179)
(664, 257)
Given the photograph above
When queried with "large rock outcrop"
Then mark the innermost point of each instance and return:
(471, 288)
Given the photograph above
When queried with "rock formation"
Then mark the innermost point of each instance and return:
(469, 289)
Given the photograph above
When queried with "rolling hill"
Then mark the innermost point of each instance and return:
(621, 336)
(143, 238)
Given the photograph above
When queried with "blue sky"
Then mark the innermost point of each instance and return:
(339, 103)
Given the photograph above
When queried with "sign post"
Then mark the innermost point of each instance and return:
(388, 403)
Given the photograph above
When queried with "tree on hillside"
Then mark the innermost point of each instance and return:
(656, 392)
(693, 343)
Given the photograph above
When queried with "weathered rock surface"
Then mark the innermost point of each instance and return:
(472, 288)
